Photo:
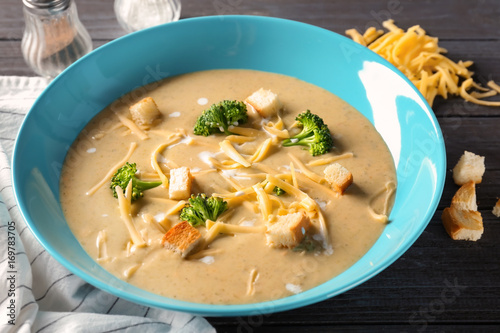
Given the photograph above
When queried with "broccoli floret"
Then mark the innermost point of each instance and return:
(315, 134)
(319, 143)
(309, 121)
(278, 191)
(200, 209)
(126, 174)
(220, 116)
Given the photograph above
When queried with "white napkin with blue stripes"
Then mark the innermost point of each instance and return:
(37, 294)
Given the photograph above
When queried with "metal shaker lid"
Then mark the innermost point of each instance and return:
(46, 4)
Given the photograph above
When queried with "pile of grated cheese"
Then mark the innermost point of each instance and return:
(421, 59)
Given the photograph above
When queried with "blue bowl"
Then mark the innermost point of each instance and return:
(352, 72)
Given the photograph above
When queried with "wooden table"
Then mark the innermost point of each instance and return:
(438, 284)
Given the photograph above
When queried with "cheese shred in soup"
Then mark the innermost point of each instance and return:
(236, 259)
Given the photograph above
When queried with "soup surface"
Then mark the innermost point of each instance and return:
(240, 267)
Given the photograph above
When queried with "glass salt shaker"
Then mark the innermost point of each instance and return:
(53, 36)
(135, 15)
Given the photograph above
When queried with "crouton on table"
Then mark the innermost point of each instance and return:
(496, 209)
(265, 102)
(180, 183)
(182, 238)
(469, 167)
(288, 230)
(465, 198)
(462, 224)
(144, 111)
(338, 177)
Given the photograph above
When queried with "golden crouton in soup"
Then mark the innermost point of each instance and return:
(338, 177)
(182, 238)
(145, 111)
(265, 102)
(288, 231)
(180, 183)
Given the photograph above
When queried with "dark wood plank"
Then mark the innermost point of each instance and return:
(97, 16)
(357, 328)
(11, 59)
(444, 18)
(11, 20)
(480, 135)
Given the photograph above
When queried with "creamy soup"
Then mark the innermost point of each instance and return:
(240, 267)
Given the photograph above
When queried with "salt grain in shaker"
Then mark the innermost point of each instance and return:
(136, 15)
(53, 36)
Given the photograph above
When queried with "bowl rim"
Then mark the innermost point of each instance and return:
(259, 308)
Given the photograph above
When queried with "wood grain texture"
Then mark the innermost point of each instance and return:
(297, 328)
(448, 19)
(416, 292)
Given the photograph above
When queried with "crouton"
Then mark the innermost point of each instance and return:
(496, 209)
(465, 198)
(265, 102)
(288, 231)
(144, 111)
(180, 183)
(182, 238)
(462, 224)
(469, 167)
(338, 177)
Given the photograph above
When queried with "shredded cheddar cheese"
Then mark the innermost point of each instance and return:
(132, 126)
(176, 208)
(328, 160)
(232, 182)
(124, 206)
(294, 177)
(262, 151)
(223, 228)
(264, 202)
(254, 274)
(421, 59)
(318, 179)
(229, 150)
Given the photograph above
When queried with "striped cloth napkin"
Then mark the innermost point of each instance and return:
(37, 294)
